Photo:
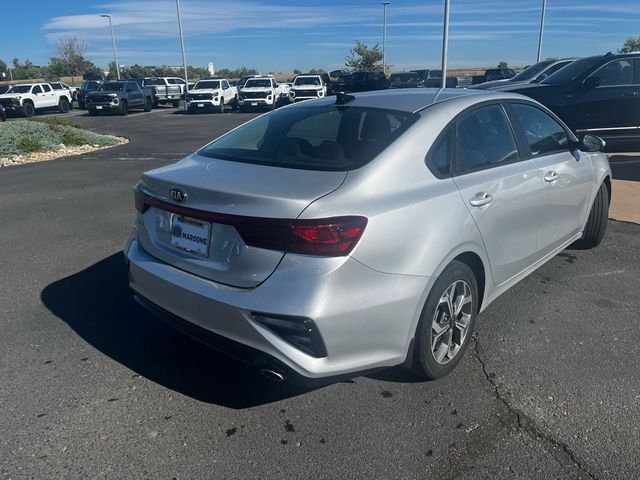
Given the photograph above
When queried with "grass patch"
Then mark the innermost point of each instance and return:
(46, 134)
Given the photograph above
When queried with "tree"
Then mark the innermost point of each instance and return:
(70, 51)
(364, 58)
(317, 71)
(630, 45)
(503, 64)
(296, 71)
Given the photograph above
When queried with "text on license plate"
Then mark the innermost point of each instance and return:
(98, 107)
(201, 105)
(190, 235)
(254, 104)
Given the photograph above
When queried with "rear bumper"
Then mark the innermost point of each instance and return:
(366, 319)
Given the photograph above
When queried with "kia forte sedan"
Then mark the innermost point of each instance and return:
(362, 231)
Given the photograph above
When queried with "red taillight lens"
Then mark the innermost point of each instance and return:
(329, 237)
(336, 236)
(138, 198)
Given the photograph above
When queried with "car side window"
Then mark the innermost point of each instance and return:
(46, 88)
(439, 157)
(485, 139)
(543, 134)
(36, 89)
(616, 72)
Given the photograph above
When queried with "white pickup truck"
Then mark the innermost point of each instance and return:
(211, 94)
(261, 91)
(26, 99)
(165, 89)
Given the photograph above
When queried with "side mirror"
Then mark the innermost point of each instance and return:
(591, 82)
(590, 143)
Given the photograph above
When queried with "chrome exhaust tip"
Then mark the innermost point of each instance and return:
(273, 375)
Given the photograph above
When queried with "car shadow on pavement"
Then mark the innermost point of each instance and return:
(97, 305)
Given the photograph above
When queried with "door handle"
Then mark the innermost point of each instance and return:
(551, 177)
(481, 199)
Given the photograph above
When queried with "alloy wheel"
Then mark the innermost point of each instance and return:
(450, 324)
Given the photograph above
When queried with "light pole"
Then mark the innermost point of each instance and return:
(445, 44)
(113, 41)
(544, 8)
(184, 58)
(384, 3)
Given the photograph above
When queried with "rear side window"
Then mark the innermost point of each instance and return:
(36, 89)
(484, 139)
(46, 88)
(330, 137)
(543, 134)
(439, 158)
(616, 72)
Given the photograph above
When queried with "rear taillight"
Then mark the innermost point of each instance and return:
(328, 237)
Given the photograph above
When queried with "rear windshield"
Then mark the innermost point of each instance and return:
(532, 71)
(334, 138)
(154, 81)
(207, 84)
(307, 81)
(573, 70)
(404, 77)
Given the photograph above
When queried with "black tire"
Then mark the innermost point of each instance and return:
(175, 103)
(124, 108)
(597, 222)
(148, 105)
(63, 105)
(28, 110)
(424, 361)
(221, 106)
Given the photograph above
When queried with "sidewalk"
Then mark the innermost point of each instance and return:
(625, 198)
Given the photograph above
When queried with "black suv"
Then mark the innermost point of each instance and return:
(87, 86)
(598, 95)
(362, 82)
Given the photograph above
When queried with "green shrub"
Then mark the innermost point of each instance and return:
(56, 123)
(46, 134)
(28, 144)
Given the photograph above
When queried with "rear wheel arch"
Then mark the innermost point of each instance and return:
(475, 263)
(607, 183)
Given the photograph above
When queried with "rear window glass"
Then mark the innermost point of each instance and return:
(331, 137)
(154, 81)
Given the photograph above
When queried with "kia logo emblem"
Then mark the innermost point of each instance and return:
(178, 194)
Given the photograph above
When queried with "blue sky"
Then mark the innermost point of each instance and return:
(279, 35)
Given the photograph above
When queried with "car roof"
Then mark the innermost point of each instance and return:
(413, 100)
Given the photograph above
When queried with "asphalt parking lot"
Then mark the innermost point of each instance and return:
(91, 386)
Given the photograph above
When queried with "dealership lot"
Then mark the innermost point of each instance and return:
(93, 386)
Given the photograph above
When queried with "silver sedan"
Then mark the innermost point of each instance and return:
(363, 231)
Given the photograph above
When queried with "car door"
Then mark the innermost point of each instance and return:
(39, 98)
(609, 98)
(227, 94)
(501, 189)
(49, 97)
(566, 173)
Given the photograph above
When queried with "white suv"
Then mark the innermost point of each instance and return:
(306, 87)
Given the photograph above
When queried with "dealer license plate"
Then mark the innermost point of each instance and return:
(98, 107)
(254, 104)
(190, 235)
(201, 105)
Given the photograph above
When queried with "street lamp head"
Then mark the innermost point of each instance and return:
(385, 2)
(105, 15)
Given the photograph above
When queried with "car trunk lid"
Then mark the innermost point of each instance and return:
(215, 249)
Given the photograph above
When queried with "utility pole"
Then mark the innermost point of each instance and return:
(113, 41)
(184, 58)
(445, 44)
(384, 3)
(544, 8)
